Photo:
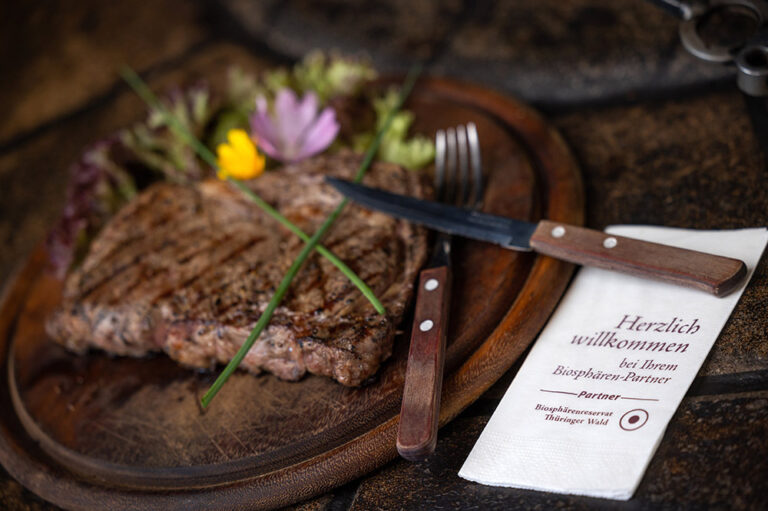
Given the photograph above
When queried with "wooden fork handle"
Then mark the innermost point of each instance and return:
(417, 432)
(714, 274)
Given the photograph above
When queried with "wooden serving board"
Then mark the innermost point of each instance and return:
(118, 433)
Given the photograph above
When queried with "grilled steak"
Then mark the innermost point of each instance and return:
(189, 270)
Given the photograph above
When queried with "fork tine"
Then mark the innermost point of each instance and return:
(462, 193)
(440, 165)
(477, 164)
(450, 166)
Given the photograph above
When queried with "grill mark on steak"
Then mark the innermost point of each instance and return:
(332, 243)
(206, 272)
(145, 276)
(161, 221)
(88, 290)
(97, 279)
(238, 252)
(196, 251)
(189, 270)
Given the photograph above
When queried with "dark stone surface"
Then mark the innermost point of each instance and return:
(716, 447)
(545, 51)
(662, 138)
(687, 162)
(394, 33)
(552, 52)
(60, 57)
(14, 497)
(700, 464)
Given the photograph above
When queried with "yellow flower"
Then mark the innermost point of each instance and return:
(238, 157)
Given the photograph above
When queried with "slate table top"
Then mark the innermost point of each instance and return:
(661, 137)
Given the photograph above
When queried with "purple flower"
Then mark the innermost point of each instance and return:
(295, 130)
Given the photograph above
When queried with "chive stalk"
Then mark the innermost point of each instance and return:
(405, 91)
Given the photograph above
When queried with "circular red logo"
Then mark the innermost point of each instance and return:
(633, 419)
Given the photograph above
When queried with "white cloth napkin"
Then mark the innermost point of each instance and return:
(589, 406)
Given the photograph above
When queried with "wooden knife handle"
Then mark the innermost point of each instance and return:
(714, 274)
(417, 432)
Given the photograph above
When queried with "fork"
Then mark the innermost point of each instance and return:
(455, 150)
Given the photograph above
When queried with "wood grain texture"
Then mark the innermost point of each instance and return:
(711, 273)
(417, 432)
(102, 432)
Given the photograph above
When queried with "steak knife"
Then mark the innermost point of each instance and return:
(711, 273)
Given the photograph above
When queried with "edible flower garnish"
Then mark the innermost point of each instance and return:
(239, 158)
(294, 130)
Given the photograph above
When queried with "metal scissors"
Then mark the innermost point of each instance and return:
(729, 32)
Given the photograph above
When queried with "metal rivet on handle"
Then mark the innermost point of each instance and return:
(610, 242)
(558, 232)
(426, 325)
(431, 284)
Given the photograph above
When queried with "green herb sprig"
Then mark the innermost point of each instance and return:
(310, 243)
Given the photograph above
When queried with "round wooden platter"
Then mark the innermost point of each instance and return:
(116, 433)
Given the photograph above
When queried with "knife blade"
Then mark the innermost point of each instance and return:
(715, 274)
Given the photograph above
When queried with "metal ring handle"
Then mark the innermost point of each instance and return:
(689, 30)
